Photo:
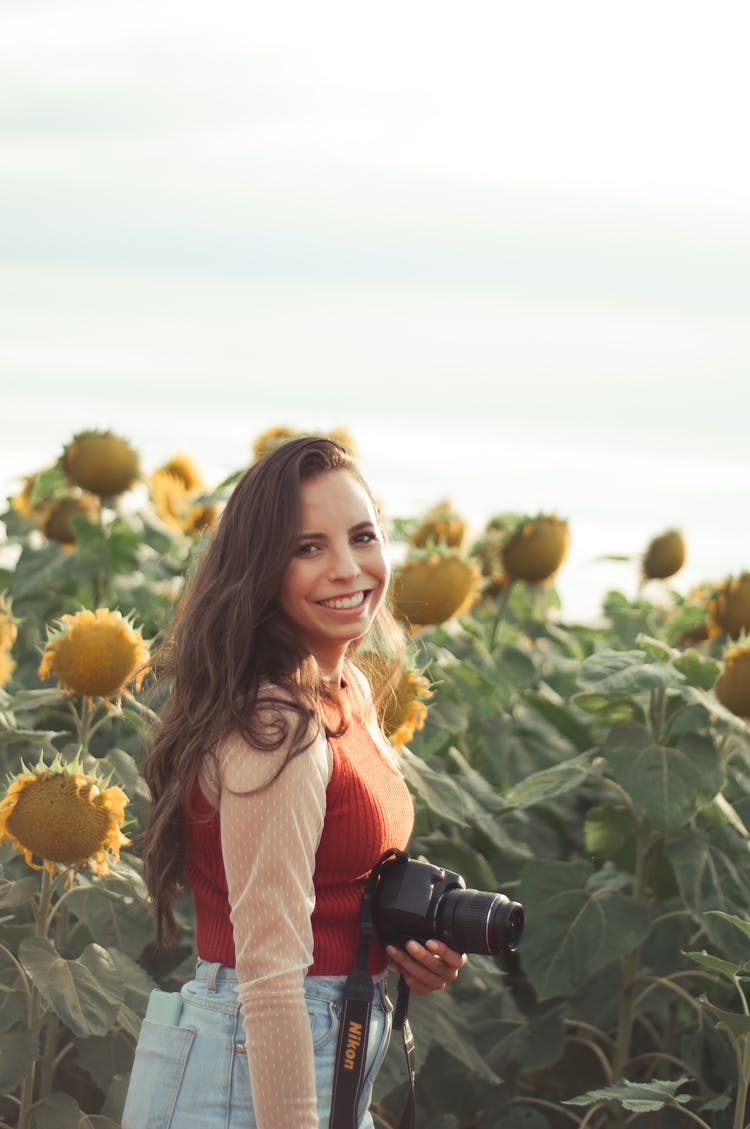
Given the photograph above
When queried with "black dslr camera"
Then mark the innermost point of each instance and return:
(416, 900)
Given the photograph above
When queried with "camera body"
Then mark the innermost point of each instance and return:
(416, 900)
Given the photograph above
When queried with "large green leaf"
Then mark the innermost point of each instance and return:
(711, 867)
(714, 707)
(609, 709)
(735, 1023)
(18, 1050)
(626, 672)
(113, 917)
(537, 1043)
(543, 786)
(563, 718)
(716, 964)
(17, 893)
(640, 1097)
(437, 791)
(573, 932)
(61, 1111)
(476, 785)
(85, 993)
(667, 784)
(732, 919)
(698, 670)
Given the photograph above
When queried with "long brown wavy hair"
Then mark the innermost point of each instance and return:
(229, 637)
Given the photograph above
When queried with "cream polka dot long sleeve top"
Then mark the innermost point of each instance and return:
(270, 824)
(269, 835)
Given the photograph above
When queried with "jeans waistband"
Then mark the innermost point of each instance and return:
(329, 987)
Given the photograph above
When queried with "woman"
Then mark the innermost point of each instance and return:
(274, 793)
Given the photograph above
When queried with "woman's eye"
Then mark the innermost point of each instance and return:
(365, 538)
(306, 549)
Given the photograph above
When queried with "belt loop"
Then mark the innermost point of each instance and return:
(213, 971)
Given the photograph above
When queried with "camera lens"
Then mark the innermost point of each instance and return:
(474, 922)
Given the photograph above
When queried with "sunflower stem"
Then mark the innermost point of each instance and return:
(42, 919)
(84, 729)
(49, 1054)
(98, 724)
(140, 708)
(502, 605)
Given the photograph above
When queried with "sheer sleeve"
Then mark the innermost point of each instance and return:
(270, 830)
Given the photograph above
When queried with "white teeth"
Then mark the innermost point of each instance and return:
(346, 601)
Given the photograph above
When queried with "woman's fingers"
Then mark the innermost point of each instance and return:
(426, 968)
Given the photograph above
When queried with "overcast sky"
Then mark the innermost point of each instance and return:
(529, 222)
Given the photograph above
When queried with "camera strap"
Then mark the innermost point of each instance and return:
(351, 1051)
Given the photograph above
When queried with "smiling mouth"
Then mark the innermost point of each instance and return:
(342, 603)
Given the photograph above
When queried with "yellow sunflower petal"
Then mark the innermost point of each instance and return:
(63, 819)
(96, 654)
(7, 666)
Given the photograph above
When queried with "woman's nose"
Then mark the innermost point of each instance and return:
(344, 564)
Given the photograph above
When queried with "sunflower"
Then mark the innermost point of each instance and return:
(664, 556)
(431, 589)
(7, 666)
(175, 505)
(8, 629)
(732, 688)
(100, 462)
(56, 520)
(441, 525)
(343, 436)
(95, 653)
(274, 437)
(182, 467)
(271, 439)
(402, 709)
(537, 548)
(729, 610)
(64, 818)
(22, 503)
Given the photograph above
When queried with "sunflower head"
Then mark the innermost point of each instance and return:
(433, 588)
(183, 468)
(405, 710)
(95, 653)
(270, 439)
(176, 505)
(402, 710)
(8, 629)
(537, 548)
(7, 666)
(56, 519)
(729, 609)
(64, 818)
(274, 437)
(22, 503)
(100, 462)
(732, 687)
(664, 556)
(343, 436)
(442, 525)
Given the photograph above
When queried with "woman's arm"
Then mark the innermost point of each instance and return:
(269, 838)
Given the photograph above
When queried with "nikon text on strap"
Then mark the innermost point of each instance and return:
(351, 1052)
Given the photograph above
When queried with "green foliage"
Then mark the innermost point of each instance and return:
(587, 771)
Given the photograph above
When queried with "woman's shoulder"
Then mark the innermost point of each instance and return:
(249, 758)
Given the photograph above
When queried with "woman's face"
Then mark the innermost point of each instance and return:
(337, 578)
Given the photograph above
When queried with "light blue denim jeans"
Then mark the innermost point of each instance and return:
(195, 1075)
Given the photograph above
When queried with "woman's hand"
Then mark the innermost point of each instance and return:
(425, 968)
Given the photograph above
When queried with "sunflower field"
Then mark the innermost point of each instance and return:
(597, 773)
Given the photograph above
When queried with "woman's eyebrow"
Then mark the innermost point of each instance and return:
(323, 536)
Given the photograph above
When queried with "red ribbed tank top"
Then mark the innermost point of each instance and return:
(368, 811)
